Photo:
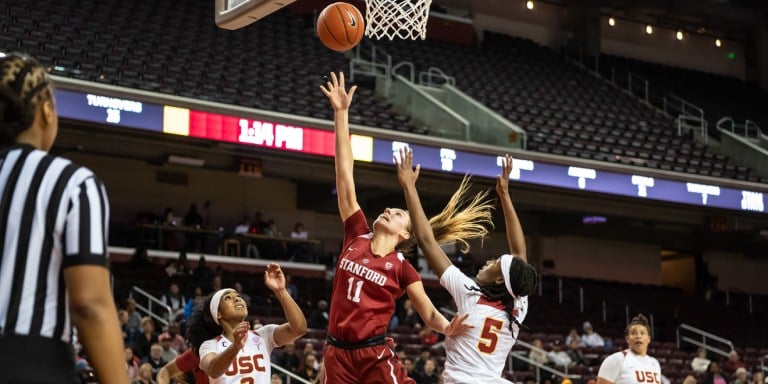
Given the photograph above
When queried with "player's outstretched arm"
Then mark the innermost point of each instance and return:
(215, 364)
(95, 316)
(340, 99)
(296, 326)
(515, 236)
(165, 373)
(407, 177)
(430, 315)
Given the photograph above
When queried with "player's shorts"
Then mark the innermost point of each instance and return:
(369, 364)
(39, 360)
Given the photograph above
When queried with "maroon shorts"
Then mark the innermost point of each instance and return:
(370, 365)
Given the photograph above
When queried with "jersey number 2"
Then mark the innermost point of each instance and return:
(355, 286)
(489, 335)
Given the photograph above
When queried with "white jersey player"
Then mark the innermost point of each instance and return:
(633, 365)
(252, 364)
(230, 353)
(496, 302)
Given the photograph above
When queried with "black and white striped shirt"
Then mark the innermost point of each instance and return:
(53, 215)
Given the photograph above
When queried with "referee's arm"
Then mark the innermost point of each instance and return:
(87, 276)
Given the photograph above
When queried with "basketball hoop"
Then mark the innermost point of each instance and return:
(405, 19)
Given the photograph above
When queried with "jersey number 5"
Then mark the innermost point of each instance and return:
(489, 335)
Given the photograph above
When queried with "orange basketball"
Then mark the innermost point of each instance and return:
(340, 26)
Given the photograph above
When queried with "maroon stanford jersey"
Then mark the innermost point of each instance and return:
(366, 286)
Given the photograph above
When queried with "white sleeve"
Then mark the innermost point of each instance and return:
(267, 333)
(458, 285)
(611, 367)
(208, 347)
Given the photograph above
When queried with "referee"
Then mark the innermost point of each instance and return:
(53, 235)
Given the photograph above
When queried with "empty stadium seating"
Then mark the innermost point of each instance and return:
(277, 64)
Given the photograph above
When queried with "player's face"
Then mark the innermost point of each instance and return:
(638, 339)
(490, 273)
(393, 221)
(232, 306)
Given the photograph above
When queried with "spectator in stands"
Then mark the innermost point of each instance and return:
(171, 266)
(409, 367)
(741, 376)
(271, 229)
(127, 333)
(574, 352)
(590, 338)
(732, 364)
(318, 319)
(538, 354)
(632, 365)
(287, 358)
(145, 375)
(257, 225)
(276, 379)
(81, 360)
(174, 299)
(299, 251)
(700, 363)
(244, 227)
(174, 335)
(713, 375)
(429, 374)
(155, 359)
(409, 317)
(171, 240)
(202, 276)
(690, 379)
(557, 357)
(425, 353)
(146, 338)
(427, 336)
(299, 232)
(573, 335)
(216, 283)
(309, 368)
(134, 318)
(256, 323)
(193, 219)
(183, 271)
(168, 353)
(197, 298)
(309, 349)
(758, 377)
(131, 364)
(239, 289)
(291, 287)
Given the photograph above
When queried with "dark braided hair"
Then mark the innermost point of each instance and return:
(200, 326)
(22, 80)
(523, 283)
(640, 319)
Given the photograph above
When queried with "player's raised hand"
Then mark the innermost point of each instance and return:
(457, 326)
(406, 174)
(274, 278)
(502, 181)
(240, 335)
(336, 92)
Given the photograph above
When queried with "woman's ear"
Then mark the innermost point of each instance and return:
(49, 112)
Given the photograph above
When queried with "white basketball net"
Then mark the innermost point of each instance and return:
(405, 19)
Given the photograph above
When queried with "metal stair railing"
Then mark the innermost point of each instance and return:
(162, 317)
(373, 61)
(705, 337)
(427, 78)
(520, 355)
(290, 376)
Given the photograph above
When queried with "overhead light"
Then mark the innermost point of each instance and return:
(529, 4)
(183, 160)
(679, 35)
(648, 29)
(611, 21)
(718, 43)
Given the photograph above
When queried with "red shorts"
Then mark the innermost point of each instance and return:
(370, 365)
